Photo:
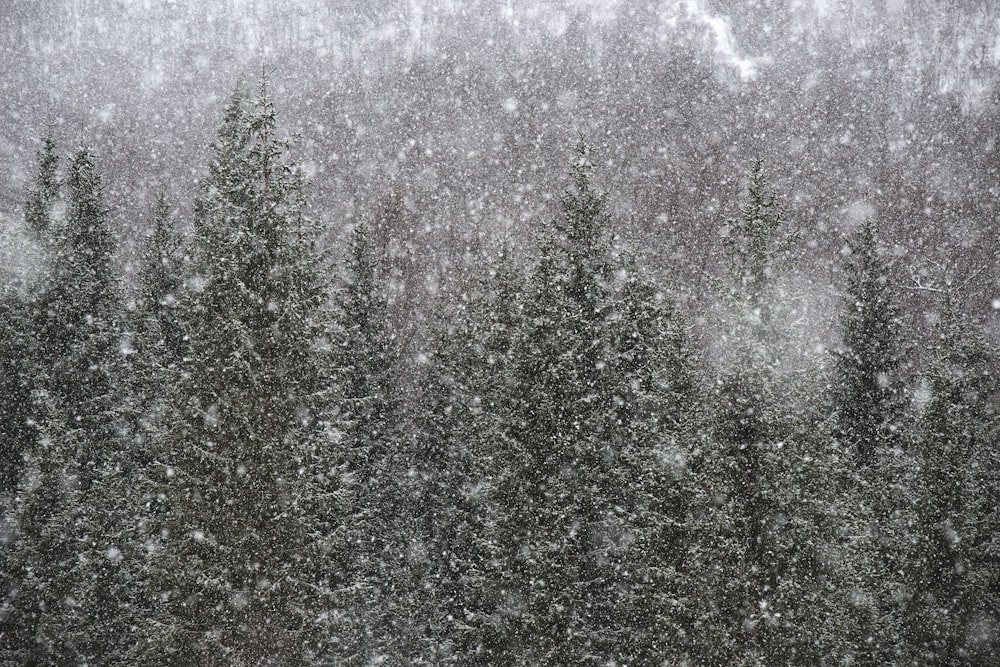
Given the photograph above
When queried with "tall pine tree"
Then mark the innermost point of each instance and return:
(246, 558)
(78, 373)
(866, 392)
(760, 580)
(951, 561)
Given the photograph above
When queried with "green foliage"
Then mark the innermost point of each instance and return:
(589, 409)
(38, 207)
(866, 391)
(158, 331)
(80, 332)
(252, 475)
(15, 387)
(73, 600)
(758, 246)
(950, 551)
(249, 465)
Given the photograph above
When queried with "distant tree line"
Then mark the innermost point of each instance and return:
(231, 464)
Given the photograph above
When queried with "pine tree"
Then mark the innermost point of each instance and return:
(44, 620)
(866, 401)
(160, 339)
(758, 248)
(748, 426)
(443, 518)
(39, 204)
(564, 483)
(155, 345)
(81, 333)
(15, 387)
(866, 393)
(952, 558)
(20, 309)
(460, 424)
(365, 359)
(659, 415)
(764, 514)
(589, 415)
(78, 373)
(248, 553)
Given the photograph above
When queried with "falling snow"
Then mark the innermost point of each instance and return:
(418, 332)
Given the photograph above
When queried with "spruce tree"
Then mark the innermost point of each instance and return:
(748, 425)
(41, 199)
(44, 622)
(866, 391)
(16, 417)
(758, 245)
(763, 517)
(589, 420)
(81, 331)
(247, 555)
(21, 307)
(365, 366)
(951, 560)
(156, 323)
(867, 407)
(78, 373)
(461, 429)
(658, 418)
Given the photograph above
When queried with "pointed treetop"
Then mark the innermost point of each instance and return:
(755, 240)
(40, 199)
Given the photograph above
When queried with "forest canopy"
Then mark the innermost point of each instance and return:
(611, 333)
(230, 462)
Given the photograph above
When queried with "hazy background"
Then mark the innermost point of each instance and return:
(449, 122)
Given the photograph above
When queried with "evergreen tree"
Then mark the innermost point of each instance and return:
(589, 414)
(365, 359)
(159, 337)
(866, 393)
(867, 408)
(444, 494)
(659, 416)
(748, 426)
(248, 554)
(758, 248)
(21, 307)
(79, 374)
(764, 514)
(41, 199)
(460, 429)
(567, 472)
(45, 622)
(15, 387)
(80, 335)
(951, 561)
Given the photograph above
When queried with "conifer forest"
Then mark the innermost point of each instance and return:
(500, 332)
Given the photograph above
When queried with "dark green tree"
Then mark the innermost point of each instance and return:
(867, 407)
(41, 199)
(16, 416)
(866, 391)
(78, 374)
(758, 245)
(766, 511)
(249, 547)
(365, 360)
(951, 564)
(81, 331)
(159, 338)
(590, 420)
(22, 306)
(45, 622)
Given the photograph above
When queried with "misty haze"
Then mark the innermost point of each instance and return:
(499, 332)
